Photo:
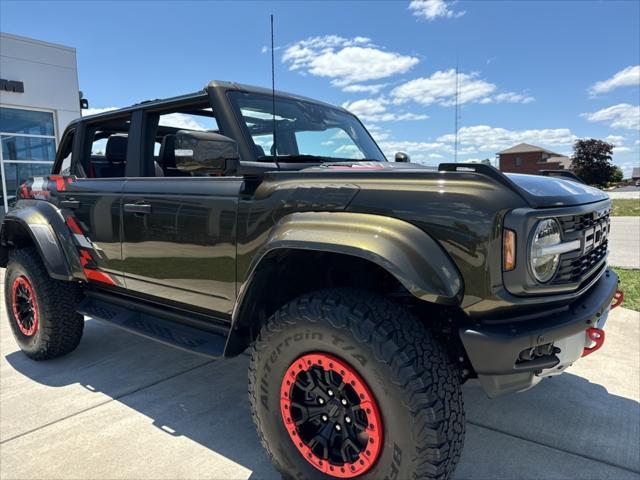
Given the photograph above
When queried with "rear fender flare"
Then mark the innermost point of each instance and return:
(46, 226)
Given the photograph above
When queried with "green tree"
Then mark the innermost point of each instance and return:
(591, 161)
(616, 175)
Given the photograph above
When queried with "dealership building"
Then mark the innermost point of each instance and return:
(39, 96)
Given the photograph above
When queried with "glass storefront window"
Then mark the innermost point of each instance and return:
(27, 122)
(28, 149)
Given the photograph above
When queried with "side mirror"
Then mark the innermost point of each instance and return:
(402, 157)
(206, 153)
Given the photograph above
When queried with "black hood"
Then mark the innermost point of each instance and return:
(556, 192)
(537, 190)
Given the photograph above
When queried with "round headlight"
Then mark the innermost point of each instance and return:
(544, 265)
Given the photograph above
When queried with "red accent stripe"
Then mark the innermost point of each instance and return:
(59, 179)
(90, 273)
(73, 225)
(98, 276)
(24, 191)
(356, 167)
(85, 258)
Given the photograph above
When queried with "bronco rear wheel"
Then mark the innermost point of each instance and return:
(41, 310)
(347, 384)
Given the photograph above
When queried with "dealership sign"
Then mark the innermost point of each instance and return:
(11, 86)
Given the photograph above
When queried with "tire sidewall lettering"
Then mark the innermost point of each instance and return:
(291, 344)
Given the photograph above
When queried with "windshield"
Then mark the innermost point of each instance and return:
(305, 131)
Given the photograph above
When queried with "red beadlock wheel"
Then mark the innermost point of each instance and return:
(331, 415)
(24, 305)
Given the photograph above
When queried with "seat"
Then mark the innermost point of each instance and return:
(259, 151)
(167, 157)
(116, 157)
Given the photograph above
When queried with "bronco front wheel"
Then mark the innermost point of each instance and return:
(347, 384)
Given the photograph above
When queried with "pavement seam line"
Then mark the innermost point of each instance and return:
(542, 444)
(113, 399)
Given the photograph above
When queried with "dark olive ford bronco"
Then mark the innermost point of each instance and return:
(366, 291)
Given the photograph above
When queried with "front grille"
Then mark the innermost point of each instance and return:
(578, 223)
(592, 229)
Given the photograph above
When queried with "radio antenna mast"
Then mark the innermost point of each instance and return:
(456, 116)
(273, 96)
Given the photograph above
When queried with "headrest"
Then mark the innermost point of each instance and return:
(116, 151)
(167, 153)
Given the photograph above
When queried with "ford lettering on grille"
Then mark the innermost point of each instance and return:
(595, 236)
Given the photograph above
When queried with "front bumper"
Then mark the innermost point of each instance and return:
(495, 350)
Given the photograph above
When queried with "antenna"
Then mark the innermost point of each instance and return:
(273, 96)
(456, 117)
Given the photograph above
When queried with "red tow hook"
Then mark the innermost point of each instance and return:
(618, 298)
(595, 335)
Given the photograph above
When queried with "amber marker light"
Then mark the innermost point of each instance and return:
(508, 250)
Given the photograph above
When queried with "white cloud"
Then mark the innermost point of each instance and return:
(479, 141)
(358, 88)
(440, 88)
(627, 77)
(622, 115)
(432, 9)
(378, 133)
(94, 111)
(513, 97)
(418, 151)
(614, 139)
(178, 120)
(375, 110)
(483, 138)
(345, 61)
(188, 122)
(621, 149)
(348, 151)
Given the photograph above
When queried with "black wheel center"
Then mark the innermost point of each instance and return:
(328, 416)
(24, 306)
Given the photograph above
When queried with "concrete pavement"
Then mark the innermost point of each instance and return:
(631, 194)
(624, 242)
(124, 407)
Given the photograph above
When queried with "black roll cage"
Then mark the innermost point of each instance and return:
(143, 127)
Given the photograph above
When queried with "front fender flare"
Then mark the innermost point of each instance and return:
(46, 226)
(412, 256)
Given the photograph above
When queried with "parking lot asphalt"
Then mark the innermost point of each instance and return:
(123, 407)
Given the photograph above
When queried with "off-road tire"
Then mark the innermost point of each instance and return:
(59, 327)
(406, 369)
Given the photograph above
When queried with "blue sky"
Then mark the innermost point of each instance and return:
(541, 72)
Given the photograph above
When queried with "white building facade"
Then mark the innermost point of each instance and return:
(39, 96)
